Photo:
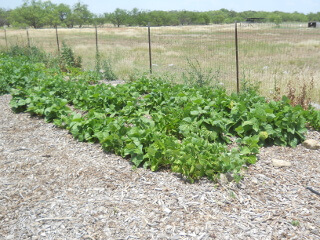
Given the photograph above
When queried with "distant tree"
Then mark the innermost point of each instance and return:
(119, 17)
(173, 18)
(81, 14)
(132, 18)
(200, 18)
(36, 13)
(143, 18)
(185, 18)
(159, 18)
(4, 14)
(70, 21)
(275, 18)
(63, 12)
(98, 19)
(231, 14)
(218, 18)
(31, 13)
(205, 18)
(51, 16)
(299, 17)
(286, 17)
(314, 16)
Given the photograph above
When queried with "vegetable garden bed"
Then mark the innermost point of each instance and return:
(196, 131)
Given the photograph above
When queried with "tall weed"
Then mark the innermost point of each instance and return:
(68, 59)
(196, 75)
(104, 69)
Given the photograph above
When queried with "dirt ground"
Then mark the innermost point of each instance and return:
(53, 187)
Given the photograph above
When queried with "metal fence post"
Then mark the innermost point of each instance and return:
(237, 57)
(5, 36)
(149, 39)
(28, 37)
(57, 38)
(97, 50)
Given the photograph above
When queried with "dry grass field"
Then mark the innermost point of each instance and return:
(275, 58)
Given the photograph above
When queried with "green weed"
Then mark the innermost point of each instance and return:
(197, 76)
(104, 69)
(68, 60)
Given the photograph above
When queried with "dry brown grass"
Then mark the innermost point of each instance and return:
(272, 56)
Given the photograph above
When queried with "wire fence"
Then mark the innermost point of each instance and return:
(205, 52)
(281, 58)
(275, 58)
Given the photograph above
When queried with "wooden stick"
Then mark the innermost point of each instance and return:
(57, 218)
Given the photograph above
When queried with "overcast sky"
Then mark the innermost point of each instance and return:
(102, 6)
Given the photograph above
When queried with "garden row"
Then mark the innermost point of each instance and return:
(198, 132)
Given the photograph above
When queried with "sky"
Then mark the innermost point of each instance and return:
(103, 6)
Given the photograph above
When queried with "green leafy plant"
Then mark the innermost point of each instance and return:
(33, 53)
(197, 132)
(295, 223)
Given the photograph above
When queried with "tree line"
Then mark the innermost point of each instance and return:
(38, 14)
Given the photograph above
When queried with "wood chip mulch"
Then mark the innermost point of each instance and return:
(53, 187)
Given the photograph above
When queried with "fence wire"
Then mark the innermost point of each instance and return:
(205, 53)
(276, 58)
(280, 58)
